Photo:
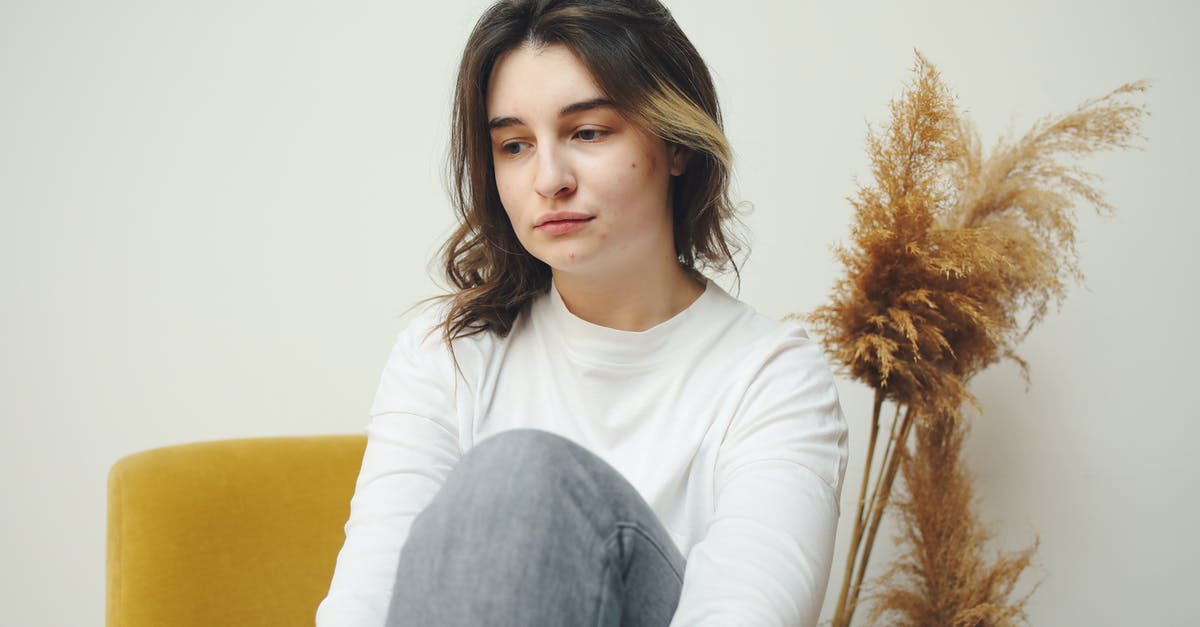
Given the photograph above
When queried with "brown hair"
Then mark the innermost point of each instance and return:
(644, 63)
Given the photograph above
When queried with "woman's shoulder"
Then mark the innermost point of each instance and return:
(764, 341)
(423, 368)
(421, 325)
(423, 336)
(748, 324)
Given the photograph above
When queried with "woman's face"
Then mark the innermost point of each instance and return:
(586, 192)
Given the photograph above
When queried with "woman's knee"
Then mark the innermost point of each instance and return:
(519, 450)
(520, 463)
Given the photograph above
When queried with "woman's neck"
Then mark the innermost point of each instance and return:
(630, 302)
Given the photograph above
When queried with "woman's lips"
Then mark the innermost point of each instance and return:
(558, 227)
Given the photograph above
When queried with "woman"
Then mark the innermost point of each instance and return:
(548, 444)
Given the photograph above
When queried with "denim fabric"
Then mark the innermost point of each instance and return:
(531, 530)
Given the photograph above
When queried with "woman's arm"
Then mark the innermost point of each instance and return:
(412, 444)
(766, 554)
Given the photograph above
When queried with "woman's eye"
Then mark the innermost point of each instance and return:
(589, 134)
(512, 148)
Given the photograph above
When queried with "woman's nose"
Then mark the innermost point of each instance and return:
(555, 177)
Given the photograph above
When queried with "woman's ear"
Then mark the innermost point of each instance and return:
(679, 158)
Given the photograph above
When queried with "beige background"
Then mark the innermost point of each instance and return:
(213, 213)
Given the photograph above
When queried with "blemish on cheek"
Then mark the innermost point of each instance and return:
(603, 236)
(633, 166)
(572, 256)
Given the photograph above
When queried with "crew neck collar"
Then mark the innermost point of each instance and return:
(598, 344)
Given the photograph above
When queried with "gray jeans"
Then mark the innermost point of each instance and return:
(533, 530)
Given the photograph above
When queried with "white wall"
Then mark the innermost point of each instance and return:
(212, 213)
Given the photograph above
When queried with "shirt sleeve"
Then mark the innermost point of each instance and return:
(412, 444)
(766, 554)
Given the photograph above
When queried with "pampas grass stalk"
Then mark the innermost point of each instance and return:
(954, 258)
(943, 578)
(883, 492)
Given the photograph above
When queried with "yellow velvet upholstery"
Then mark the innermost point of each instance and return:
(229, 533)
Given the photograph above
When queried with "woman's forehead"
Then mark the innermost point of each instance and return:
(539, 80)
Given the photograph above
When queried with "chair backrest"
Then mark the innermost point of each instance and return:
(234, 532)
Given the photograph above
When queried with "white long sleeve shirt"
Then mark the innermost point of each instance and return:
(725, 421)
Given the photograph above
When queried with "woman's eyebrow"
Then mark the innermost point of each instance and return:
(571, 109)
(586, 105)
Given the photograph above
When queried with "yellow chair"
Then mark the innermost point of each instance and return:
(228, 533)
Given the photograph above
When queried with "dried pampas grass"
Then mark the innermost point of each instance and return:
(954, 257)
